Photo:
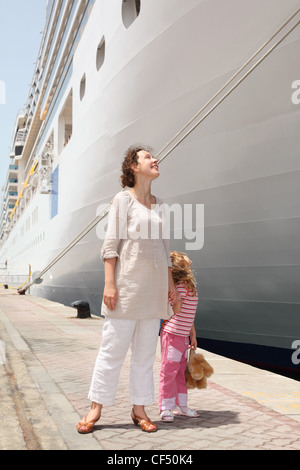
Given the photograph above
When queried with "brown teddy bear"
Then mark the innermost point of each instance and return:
(197, 371)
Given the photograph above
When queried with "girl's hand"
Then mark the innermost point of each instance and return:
(177, 306)
(174, 295)
(110, 296)
(193, 338)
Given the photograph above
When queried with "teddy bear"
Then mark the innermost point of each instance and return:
(197, 371)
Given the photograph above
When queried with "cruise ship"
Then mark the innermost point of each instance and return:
(213, 87)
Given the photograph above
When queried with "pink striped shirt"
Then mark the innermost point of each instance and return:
(181, 323)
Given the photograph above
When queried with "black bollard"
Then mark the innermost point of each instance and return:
(83, 309)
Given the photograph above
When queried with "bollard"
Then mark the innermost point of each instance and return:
(83, 309)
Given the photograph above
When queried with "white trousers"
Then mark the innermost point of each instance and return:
(117, 336)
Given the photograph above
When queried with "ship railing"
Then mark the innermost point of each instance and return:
(21, 137)
(13, 281)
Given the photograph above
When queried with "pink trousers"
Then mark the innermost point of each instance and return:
(172, 385)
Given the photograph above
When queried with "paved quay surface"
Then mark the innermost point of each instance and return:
(47, 357)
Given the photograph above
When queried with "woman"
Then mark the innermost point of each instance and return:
(138, 286)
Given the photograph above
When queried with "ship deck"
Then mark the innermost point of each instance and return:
(46, 372)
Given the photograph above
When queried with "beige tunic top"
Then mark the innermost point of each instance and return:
(136, 237)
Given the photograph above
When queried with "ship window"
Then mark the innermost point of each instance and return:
(130, 11)
(18, 150)
(100, 54)
(65, 127)
(82, 87)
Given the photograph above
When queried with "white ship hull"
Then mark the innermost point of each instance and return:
(242, 163)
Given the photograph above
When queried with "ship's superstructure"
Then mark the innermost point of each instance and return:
(32, 149)
(113, 73)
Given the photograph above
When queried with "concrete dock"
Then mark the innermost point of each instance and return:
(47, 357)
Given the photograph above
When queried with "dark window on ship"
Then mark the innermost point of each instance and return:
(65, 123)
(18, 150)
(100, 54)
(82, 87)
(130, 11)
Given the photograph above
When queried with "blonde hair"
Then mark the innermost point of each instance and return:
(182, 272)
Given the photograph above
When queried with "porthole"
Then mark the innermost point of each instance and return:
(82, 87)
(100, 54)
(130, 11)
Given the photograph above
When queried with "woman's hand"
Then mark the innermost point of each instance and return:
(110, 295)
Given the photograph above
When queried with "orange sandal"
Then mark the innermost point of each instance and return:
(89, 426)
(144, 423)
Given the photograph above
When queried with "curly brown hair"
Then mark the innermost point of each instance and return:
(182, 272)
(131, 158)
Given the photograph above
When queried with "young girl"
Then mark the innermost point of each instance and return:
(174, 337)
